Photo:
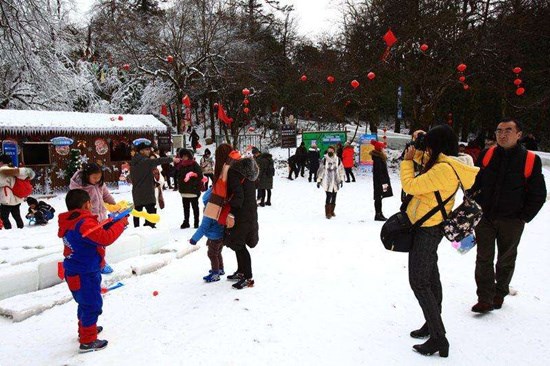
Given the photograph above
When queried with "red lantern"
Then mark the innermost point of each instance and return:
(520, 91)
(246, 110)
(246, 101)
(517, 82)
(371, 75)
(516, 70)
(126, 67)
(169, 59)
(120, 118)
(466, 87)
(304, 77)
(354, 84)
(424, 47)
(246, 92)
(186, 101)
(216, 105)
(330, 79)
(462, 79)
(461, 67)
(164, 110)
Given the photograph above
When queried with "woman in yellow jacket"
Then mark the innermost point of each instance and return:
(441, 169)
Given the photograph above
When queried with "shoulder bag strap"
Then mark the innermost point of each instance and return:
(432, 212)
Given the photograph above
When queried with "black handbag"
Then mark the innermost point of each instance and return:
(397, 233)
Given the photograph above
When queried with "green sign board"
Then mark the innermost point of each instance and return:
(324, 139)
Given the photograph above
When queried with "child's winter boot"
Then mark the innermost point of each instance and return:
(212, 277)
(96, 345)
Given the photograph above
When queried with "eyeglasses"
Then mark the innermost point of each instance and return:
(505, 131)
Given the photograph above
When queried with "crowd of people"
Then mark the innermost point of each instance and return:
(504, 178)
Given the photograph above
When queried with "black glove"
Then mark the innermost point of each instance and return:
(319, 185)
(341, 184)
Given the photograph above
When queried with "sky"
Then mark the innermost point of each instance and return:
(313, 17)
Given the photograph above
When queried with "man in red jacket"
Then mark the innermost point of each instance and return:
(82, 264)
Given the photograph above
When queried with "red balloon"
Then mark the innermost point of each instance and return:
(246, 101)
(304, 77)
(246, 110)
(246, 92)
(126, 67)
(517, 82)
(424, 47)
(462, 79)
(155, 293)
(371, 75)
(169, 59)
(120, 118)
(354, 84)
(330, 79)
(461, 67)
(516, 70)
(466, 87)
(520, 91)
(216, 105)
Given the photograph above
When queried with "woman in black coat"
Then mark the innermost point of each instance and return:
(241, 188)
(380, 177)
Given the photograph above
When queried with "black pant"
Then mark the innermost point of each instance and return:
(348, 173)
(261, 195)
(150, 208)
(424, 277)
(331, 198)
(211, 177)
(14, 210)
(293, 169)
(507, 234)
(301, 168)
(312, 174)
(194, 202)
(378, 205)
(244, 262)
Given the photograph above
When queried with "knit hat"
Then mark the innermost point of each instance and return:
(31, 201)
(378, 145)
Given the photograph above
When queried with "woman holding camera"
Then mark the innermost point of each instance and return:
(442, 169)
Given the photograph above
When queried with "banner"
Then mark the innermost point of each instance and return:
(324, 139)
(288, 136)
(365, 147)
(11, 149)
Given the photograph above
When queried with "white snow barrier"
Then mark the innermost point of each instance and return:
(21, 307)
(42, 272)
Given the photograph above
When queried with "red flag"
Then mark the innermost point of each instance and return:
(222, 116)
(390, 40)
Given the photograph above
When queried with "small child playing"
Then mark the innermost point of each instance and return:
(82, 263)
(214, 232)
(40, 212)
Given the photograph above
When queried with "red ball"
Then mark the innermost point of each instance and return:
(246, 101)
(304, 77)
(520, 91)
(330, 79)
(169, 59)
(517, 82)
(371, 75)
(155, 293)
(246, 92)
(246, 110)
(462, 79)
(120, 118)
(466, 87)
(516, 70)
(126, 67)
(461, 67)
(424, 47)
(354, 84)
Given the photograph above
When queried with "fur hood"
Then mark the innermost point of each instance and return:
(379, 154)
(247, 167)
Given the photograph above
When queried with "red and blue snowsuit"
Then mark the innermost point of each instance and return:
(82, 264)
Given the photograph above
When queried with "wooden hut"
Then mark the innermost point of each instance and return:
(102, 138)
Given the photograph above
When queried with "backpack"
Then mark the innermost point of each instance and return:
(22, 188)
(529, 161)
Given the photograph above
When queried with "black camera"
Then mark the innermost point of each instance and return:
(419, 143)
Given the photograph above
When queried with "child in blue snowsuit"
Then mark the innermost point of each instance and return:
(82, 263)
(214, 233)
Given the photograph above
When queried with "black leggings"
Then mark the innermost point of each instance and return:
(331, 198)
(378, 205)
(261, 194)
(244, 262)
(193, 202)
(348, 173)
(6, 210)
(150, 209)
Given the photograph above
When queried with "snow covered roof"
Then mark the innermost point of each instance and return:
(14, 121)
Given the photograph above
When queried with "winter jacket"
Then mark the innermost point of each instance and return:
(380, 176)
(313, 158)
(194, 140)
(143, 182)
(7, 181)
(440, 177)
(207, 165)
(503, 190)
(241, 188)
(348, 155)
(209, 227)
(267, 171)
(98, 195)
(46, 211)
(331, 173)
(301, 155)
(292, 162)
(191, 188)
(85, 255)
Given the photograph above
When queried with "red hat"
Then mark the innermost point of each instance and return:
(235, 155)
(378, 145)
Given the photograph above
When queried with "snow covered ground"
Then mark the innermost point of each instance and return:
(327, 293)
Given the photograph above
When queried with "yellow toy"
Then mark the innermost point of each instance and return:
(152, 218)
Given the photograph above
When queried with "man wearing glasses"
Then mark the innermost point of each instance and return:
(510, 196)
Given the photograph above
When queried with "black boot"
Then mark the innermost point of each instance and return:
(423, 332)
(432, 346)
(262, 203)
(185, 225)
(379, 217)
